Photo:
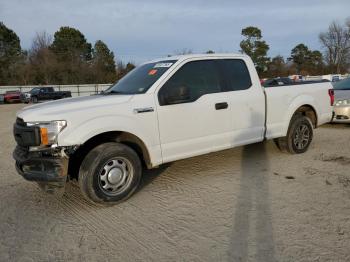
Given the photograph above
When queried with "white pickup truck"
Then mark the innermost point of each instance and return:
(162, 111)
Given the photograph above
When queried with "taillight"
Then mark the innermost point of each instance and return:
(331, 96)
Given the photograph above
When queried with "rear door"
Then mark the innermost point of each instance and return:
(50, 93)
(193, 111)
(41, 93)
(247, 102)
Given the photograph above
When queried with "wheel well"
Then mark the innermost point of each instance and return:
(128, 139)
(308, 111)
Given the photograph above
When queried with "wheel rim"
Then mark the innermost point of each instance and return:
(301, 136)
(115, 176)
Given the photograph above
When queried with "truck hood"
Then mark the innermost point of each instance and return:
(61, 109)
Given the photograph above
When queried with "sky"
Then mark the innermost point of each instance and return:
(140, 30)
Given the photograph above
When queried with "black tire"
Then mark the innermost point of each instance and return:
(299, 136)
(94, 181)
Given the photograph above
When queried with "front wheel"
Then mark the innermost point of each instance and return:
(110, 173)
(299, 136)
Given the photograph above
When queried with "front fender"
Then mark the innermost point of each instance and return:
(144, 127)
(77, 135)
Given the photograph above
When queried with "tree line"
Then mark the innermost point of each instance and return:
(65, 58)
(68, 58)
(335, 58)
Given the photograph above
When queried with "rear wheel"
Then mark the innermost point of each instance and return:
(299, 136)
(110, 173)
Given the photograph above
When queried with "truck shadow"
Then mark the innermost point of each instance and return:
(149, 175)
(337, 125)
(252, 227)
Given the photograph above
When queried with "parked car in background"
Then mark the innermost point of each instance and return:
(278, 81)
(43, 93)
(342, 101)
(297, 78)
(12, 96)
(332, 77)
(1, 98)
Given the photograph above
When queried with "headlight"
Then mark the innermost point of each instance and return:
(49, 130)
(342, 102)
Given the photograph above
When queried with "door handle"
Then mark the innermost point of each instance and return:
(143, 110)
(219, 106)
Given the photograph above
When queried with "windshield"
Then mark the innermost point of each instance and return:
(342, 85)
(140, 79)
(34, 90)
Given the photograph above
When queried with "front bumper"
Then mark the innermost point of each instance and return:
(42, 167)
(342, 114)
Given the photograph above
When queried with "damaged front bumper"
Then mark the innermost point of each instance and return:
(48, 168)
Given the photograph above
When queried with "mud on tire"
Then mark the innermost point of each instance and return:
(299, 136)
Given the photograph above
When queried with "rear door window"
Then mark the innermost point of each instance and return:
(236, 74)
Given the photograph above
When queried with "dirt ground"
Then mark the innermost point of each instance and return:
(250, 203)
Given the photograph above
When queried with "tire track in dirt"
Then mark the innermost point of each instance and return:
(110, 226)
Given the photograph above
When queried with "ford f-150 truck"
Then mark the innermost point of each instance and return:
(162, 111)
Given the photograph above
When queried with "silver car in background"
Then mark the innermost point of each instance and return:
(342, 101)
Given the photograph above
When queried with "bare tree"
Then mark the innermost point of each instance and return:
(41, 41)
(42, 59)
(336, 42)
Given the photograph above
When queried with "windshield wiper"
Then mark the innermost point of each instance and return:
(113, 92)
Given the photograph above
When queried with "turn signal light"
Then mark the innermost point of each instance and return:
(44, 136)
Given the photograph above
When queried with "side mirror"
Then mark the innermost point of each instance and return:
(175, 95)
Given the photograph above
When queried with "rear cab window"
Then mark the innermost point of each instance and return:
(236, 74)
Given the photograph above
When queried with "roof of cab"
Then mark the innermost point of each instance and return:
(191, 56)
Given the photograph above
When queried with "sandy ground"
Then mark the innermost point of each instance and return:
(251, 203)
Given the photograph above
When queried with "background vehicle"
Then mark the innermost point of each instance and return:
(1, 98)
(342, 101)
(297, 78)
(286, 81)
(278, 81)
(163, 111)
(43, 93)
(332, 77)
(12, 96)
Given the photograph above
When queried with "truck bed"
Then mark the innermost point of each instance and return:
(282, 101)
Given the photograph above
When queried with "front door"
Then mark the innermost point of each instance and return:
(193, 111)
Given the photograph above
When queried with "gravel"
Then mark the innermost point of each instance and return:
(233, 205)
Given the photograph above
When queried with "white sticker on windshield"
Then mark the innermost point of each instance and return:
(162, 65)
